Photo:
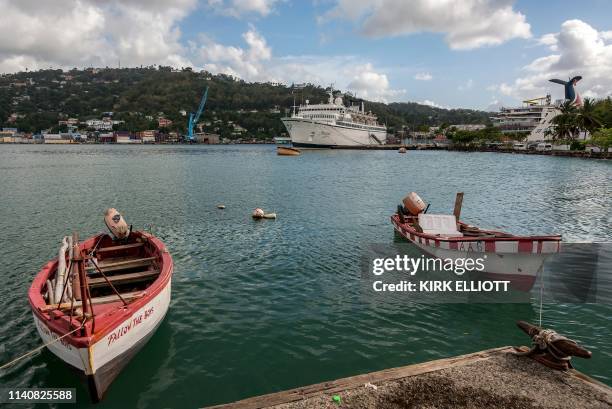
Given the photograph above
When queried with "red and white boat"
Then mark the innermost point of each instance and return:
(101, 300)
(506, 256)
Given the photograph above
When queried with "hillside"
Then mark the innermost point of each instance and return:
(32, 101)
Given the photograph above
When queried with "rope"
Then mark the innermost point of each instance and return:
(545, 340)
(27, 354)
(541, 293)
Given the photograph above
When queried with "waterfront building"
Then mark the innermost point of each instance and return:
(207, 138)
(106, 138)
(531, 120)
(56, 138)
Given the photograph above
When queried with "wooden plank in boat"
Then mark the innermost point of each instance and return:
(95, 301)
(124, 264)
(122, 278)
(121, 247)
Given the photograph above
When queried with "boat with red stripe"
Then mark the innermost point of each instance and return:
(98, 303)
(506, 256)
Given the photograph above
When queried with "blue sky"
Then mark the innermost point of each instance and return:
(470, 53)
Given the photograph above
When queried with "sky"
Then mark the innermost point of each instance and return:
(479, 54)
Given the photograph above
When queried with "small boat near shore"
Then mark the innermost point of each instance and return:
(505, 256)
(101, 299)
(287, 151)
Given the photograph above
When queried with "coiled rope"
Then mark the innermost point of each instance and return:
(29, 353)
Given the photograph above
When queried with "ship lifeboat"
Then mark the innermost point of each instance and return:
(102, 299)
(506, 256)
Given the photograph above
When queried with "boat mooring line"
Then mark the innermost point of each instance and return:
(27, 354)
(541, 293)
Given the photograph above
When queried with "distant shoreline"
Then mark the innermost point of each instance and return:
(572, 154)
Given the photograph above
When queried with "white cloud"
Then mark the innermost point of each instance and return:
(369, 84)
(83, 33)
(579, 49)
(255, 62)
(37, 35)
(549, 40)
(432, 104)
(239, 8)
(467, 24)
(246, 63)
(423, 76)
(494, 105)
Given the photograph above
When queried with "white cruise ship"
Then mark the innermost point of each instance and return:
(532, 119)
(333, 124)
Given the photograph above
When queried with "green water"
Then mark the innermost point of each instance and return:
(259, 307)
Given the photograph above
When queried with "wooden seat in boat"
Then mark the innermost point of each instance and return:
(118, 279)
(124, 263)
(120, 248)
(444, 225)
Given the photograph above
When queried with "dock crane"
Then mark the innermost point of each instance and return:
(195, 117)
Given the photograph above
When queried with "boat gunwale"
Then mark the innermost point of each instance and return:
(60, 325)
(511, 237)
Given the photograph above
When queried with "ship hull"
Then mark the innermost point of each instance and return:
(310, 134)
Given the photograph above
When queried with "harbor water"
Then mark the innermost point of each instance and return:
(262, 306)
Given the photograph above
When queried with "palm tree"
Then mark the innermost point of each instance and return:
(565, 125)
(587, 118)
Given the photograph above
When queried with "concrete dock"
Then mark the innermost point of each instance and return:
(494, 378)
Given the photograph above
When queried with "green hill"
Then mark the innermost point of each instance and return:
(32, 101)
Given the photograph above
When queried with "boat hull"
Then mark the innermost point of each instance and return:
(103, 360)
(287, 151)
(515, 259)
(311, 134)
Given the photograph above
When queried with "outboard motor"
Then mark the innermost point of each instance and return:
(116, 224)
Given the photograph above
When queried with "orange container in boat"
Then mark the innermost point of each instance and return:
(414, 204)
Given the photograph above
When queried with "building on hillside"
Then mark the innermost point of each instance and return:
(466, 127)
(164, 122)
(99, 124)
(238, 130)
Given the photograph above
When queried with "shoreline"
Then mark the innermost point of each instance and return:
(570, 154)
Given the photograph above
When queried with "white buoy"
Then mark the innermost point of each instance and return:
(220, 206)
(269, 216)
